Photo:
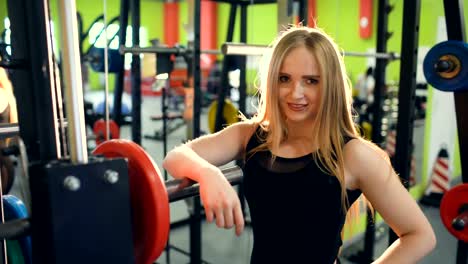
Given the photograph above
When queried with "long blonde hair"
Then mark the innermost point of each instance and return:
(334, 120)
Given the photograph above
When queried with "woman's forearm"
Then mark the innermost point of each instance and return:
(183, 162)
(410, 248)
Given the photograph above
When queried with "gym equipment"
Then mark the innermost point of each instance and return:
(149, 201)
(179, 50)
(445, 66)
(8, 130)
(7, 172)
(8, 147)
(95, 57)
(150, 197)
(67, 186)
(455, 22)
(231, 48)
(100, 131)
(14, 208)
(230, 114)
(14, 253)
(173, 121)
(454, 211)
(100, 108)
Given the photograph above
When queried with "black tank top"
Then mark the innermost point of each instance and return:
(295, 208)
(5, 115)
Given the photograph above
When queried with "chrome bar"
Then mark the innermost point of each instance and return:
(8, 130)
(162, 50)
(74, 87)
(258, 50)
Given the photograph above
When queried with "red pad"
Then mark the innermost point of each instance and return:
(149, 200)
(449, 209)
(365, 18)
(99, 130)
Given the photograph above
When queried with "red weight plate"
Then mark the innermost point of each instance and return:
(149, 200)
(449, 206)
(99, 130)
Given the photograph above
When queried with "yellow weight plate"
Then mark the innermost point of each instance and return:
(230, 114)
(367, 129)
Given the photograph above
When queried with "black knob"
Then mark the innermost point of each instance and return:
(444, 66)
(458, 224)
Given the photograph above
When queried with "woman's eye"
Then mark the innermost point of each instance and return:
(311, 81)
(283, 79)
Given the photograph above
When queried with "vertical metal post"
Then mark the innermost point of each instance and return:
(195, 217)
(224, 73)
(456, 31)
(285, 11)
(304, 12)
(377, 113)
(243, 59)
(34, 83)
(455, 22)
(406, 93)
(380, 70)
(74, 87)
(136, 74)
(119, 81)
(242, 86)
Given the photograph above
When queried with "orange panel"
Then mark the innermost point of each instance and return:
(209, 25)
(171, 23)
(312, 6)
(365, 18)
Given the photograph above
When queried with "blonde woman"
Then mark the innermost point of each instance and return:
(305, 163)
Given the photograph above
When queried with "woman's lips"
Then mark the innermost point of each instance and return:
(297, 107)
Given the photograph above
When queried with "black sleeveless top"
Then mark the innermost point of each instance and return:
(295, 208)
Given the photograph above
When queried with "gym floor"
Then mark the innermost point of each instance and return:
(223, 246)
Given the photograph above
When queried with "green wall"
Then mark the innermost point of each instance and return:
(3, 14)
(151, 19)
(151, 14)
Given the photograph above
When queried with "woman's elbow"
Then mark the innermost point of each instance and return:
(168, 160)
(431, 240)
(173, 157)
(428, 238)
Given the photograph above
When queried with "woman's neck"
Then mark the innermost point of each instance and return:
(300, 130)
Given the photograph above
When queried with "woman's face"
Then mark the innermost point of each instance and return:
(299, 83)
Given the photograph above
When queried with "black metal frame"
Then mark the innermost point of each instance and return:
(36, 87)
(119, 80)
(33, 80)
(455, 23)
(384, 8)
(406, 94)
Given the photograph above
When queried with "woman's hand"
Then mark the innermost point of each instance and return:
(220, 200)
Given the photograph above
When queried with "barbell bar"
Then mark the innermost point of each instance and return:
(233, 175)
(230, 48)
(8, 130)
(163, 50)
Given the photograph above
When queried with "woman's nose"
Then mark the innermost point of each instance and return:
(298, 89)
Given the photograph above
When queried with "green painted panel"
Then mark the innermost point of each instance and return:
(3, 14)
